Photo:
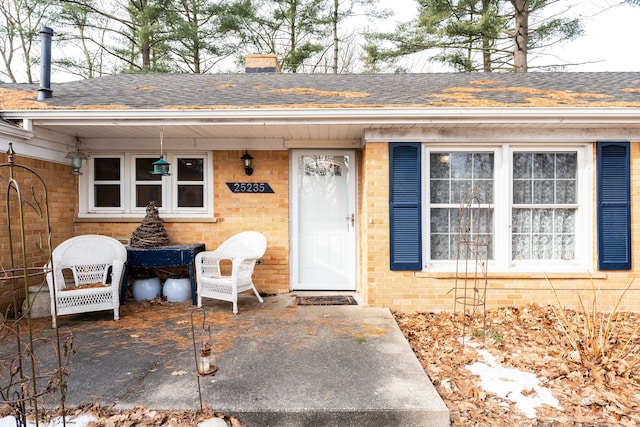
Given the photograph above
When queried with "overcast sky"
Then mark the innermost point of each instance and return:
(611, 42)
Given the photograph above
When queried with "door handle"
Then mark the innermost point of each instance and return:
(352, 218)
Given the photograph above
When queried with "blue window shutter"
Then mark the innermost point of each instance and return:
(614, 205)
(405, 215)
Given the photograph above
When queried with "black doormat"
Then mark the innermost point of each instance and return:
(327, 300)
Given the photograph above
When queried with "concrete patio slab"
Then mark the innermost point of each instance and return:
(280, 364)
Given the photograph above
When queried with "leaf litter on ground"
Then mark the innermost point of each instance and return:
(526, 339)
(530, 340)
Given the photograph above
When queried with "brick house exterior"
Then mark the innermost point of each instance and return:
(577, 133)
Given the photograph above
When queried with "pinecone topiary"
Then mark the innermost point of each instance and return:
(151, 231)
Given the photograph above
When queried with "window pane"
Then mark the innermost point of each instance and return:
(542, 245)
(566, 166)
(521, 221)
(444, 231)
(440, 221)
(542, 221)
(456, 178)
(459, 189)
(445, 227)
(565, 249)
(144, 166)
(440, 191)
(107, 196)
(190, 196)
(106, 169)
(439, 165)
(483, 165)
(453, 174)
(522, 166)
(461, 165)
(486, 190)
(440, 247)
(566, 191)
(148, 193)
(520, 247)
(564, 221)
(547, 179)
(543, 192)
(543, 234)
(472, 233)
(190, 169)
(522, 192)
(544, 165)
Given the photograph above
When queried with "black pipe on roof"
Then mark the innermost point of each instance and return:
(45, 91)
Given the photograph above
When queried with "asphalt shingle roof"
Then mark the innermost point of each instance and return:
(218, 91)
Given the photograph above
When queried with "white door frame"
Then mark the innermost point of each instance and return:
(351, 224)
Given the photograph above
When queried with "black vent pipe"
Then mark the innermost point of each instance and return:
(45, 91)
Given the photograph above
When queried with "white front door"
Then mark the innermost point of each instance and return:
(323, 220)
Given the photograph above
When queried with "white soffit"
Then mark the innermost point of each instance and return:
(330, 124)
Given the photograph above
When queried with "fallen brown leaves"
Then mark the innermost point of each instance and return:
(527, 339)
(144, 417)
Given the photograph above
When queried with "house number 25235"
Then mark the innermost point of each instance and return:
(249, 187)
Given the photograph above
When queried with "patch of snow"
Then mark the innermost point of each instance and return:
(510, 383)
(213, 422)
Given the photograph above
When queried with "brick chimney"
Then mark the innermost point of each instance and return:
(261, 63)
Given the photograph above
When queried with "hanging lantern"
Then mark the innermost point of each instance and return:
(76, 161)
(205, 360)
(161, 166)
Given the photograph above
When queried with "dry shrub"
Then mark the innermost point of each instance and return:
(606, 339)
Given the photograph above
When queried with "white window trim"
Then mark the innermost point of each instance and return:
(170, 188)
(89, 189)
(501, 222)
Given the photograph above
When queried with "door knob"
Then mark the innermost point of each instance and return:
(352, 218)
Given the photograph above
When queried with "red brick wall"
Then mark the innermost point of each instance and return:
(417, 290)
(61, 194)
(235, 212)
(267, 213)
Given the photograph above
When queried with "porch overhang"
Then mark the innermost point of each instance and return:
(284, 128)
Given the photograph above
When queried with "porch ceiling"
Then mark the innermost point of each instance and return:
(255, 131)
(278, 129)
(334, 126)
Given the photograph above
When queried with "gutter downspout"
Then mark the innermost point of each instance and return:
(45, 91)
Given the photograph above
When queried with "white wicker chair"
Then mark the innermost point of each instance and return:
(243, 250)
(97, 264)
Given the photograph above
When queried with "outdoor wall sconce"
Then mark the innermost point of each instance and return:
(76, 161)
(161, 166)
(246, 161)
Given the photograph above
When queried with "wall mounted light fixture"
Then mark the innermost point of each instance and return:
(246, 161)
(76, 160)
(161, 166)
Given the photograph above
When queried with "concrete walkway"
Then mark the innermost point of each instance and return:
(280, 364)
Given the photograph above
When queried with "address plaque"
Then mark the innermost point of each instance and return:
(249, 187)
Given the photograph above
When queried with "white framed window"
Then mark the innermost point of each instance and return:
(122, 185)
(532, 205)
